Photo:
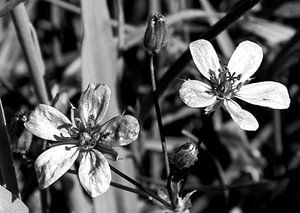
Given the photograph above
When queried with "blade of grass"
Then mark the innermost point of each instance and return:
(6, 160)
(100, 64)
(24, 33)
(8, 6)
(223, 39)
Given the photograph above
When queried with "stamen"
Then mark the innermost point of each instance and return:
(223, 85)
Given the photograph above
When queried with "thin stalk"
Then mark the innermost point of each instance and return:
(129, 189)
(141, 187)
(170, 190)
(174, 70)
(221, 177)
(120, 186)
(277, 133)
(65, 5)
(6, 160)
(153, 69)
(120, 28)
(45, 200)
(22, 26)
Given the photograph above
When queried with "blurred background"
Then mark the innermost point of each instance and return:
(100, 41)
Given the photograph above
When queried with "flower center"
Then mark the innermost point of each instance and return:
(224, 84)
(87, 136)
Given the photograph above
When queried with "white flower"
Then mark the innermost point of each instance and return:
(83, 137)
(229, 82)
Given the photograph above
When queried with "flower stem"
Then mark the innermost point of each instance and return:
(170, 190)
(129, 189)
(6, 160)
(153, 68)
(141, 187)
(234, 14)
(22, 25)
(120, 186)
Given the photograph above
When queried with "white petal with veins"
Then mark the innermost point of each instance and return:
(94, 173)
(48, 123)
(245, 60)
(205, 57)
(53, 163)
(242, 117)
(267, 93)
(196, 94)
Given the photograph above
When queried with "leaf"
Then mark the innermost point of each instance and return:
(100, 65)
(223, 39)
(289, 10)
(99, 61)
(272, 32)
(244, 157)
(8, 6)
(10, 203)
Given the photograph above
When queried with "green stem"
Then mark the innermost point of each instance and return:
(141, 187)
(170, 190)
(6, 160)
(174, 70)
(153, 68)
(22, 25)
(277, 133)
(120, 186)
(129, 189)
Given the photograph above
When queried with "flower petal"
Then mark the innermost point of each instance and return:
(53, 163)
(94, 102)
(205, 57)
(245, 60)
(267, 93)
(196, 94)
(48, 123)
(94, 173)
(242, 117)
(119, 131)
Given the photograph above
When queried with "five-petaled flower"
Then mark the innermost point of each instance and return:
(84, 137)
(228, 82)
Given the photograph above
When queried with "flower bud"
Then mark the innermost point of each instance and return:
(156, 33)
(184, 156)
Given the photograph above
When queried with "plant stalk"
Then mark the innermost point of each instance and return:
(141, 187)
(33, 60)
(153, 68)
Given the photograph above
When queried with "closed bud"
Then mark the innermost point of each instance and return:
(156, 33)
(184, 156)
